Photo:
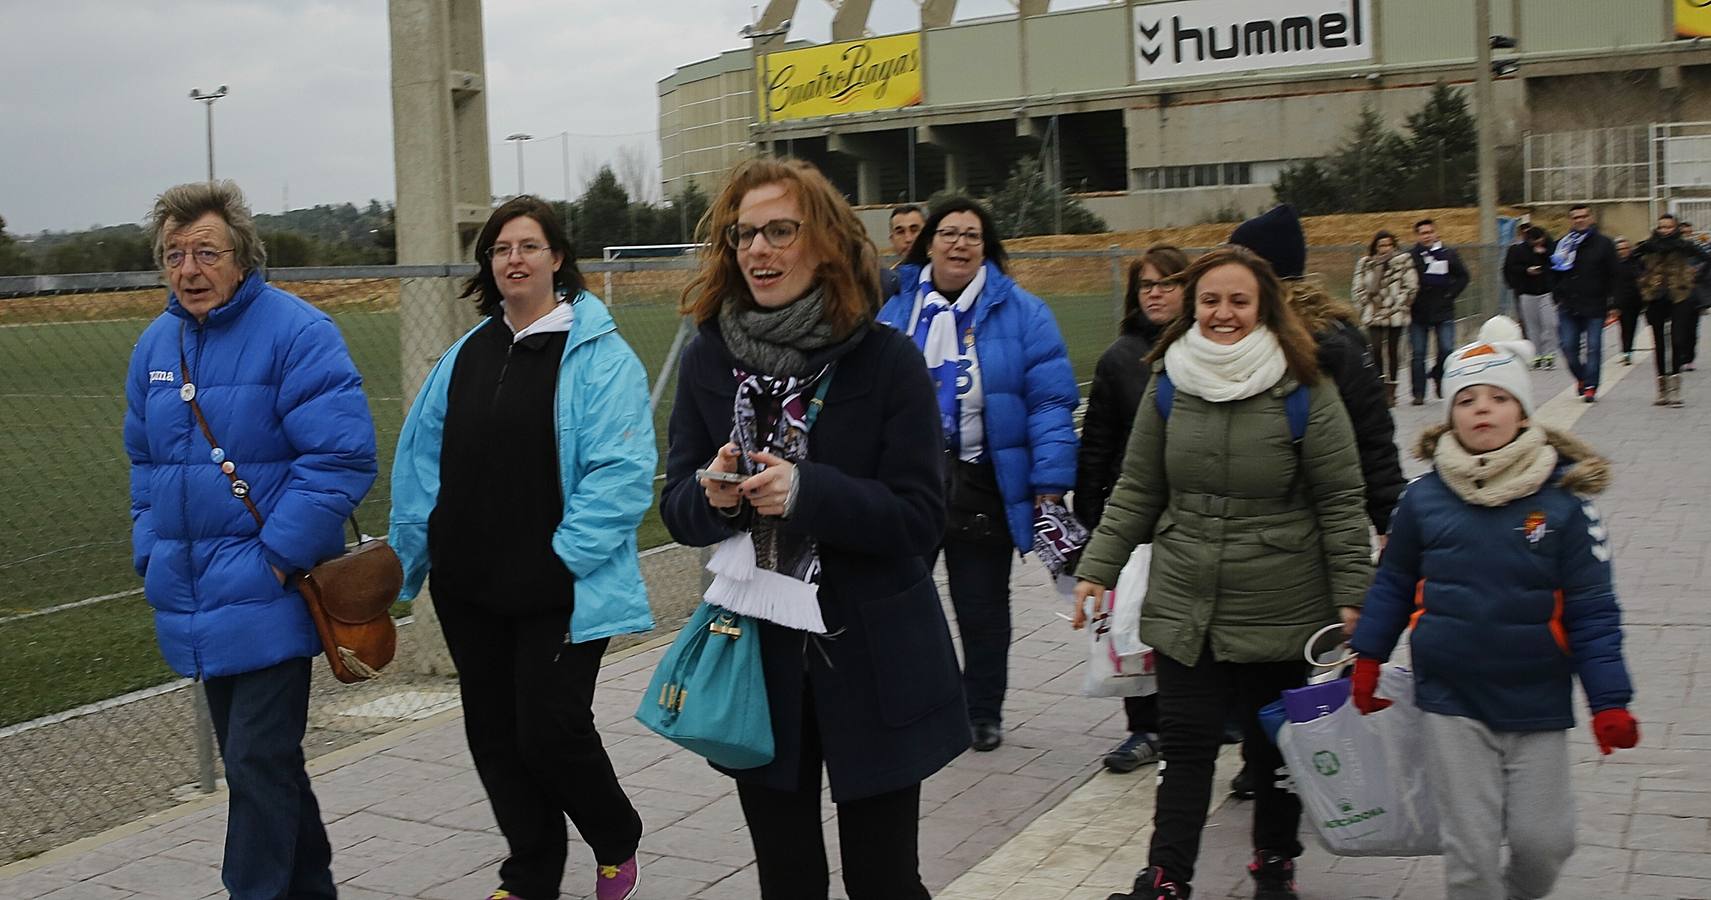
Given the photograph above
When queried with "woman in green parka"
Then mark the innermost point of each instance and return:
(1246, 479)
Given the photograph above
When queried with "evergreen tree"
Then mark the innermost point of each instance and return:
(602, 216)
(1442, 152)
(13, 260)
(1370, 168)
(1027, 204)
(688, 207)
(1307, 187)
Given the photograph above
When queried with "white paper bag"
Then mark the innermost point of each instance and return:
(1361, 780)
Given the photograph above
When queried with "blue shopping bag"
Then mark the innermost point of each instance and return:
(708, 694)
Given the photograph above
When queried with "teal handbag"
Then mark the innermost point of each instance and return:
(708, 694)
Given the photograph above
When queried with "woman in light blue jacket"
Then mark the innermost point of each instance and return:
(524, 467)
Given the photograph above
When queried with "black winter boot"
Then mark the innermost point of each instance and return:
(1273, 875)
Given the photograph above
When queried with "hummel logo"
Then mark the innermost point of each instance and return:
(1149, 34)
(159, 375)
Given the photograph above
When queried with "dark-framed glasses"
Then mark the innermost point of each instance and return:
(953, 236)
(779, 234)
(526, 248)
(204, 256)
(1163, 284)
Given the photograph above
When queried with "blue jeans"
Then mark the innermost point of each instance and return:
(1417, 335)
(276, 845)
(1571, 328)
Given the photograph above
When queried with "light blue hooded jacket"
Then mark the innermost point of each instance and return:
(606, 456)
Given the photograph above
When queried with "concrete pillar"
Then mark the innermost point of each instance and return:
(870, 152)
(1031, 8)
(849, 23)
(937, 13)
(439, 152)
(959, 152)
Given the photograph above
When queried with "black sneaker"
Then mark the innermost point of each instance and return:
(1152, 884)
(1136, 751)
(1243, 786)
(1273, 875)
(987, 736)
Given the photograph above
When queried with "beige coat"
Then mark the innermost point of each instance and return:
(1384, 289)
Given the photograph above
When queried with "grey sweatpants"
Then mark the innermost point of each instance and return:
(1539, 321)
(1495, 787)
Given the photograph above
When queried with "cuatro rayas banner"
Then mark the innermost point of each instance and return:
(852, 76)
(1692, 18)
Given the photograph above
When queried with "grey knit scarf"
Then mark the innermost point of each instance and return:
(777, 341)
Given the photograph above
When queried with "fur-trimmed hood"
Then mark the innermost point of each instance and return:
(1316, 306)
(1586, 471)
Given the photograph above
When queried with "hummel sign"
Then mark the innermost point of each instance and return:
(1186, 38)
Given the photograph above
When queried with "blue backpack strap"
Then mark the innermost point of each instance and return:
(1166, 395)
(1295, 408)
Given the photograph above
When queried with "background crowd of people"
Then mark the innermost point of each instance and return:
(840, 427)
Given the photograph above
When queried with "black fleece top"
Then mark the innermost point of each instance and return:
(501, 496)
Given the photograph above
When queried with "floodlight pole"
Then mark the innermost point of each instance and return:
(518, 137)
(763, 89)
(207, 101)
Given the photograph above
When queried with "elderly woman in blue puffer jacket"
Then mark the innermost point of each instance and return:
(1006, 394)
(240, 393)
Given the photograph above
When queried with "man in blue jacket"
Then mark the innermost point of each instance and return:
(241, 390)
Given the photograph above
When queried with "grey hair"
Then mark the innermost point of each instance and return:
(185, 203)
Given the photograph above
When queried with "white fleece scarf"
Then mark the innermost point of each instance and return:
(1219, 373)
(1515, 470)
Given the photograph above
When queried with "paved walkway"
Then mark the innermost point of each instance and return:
(408, 818)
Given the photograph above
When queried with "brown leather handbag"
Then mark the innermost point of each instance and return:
(349, 596)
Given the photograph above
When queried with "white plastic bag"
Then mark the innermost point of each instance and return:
(1360, 779)
(1126, 605)
(1109, 674)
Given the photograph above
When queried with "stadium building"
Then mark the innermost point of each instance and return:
(1168, 112)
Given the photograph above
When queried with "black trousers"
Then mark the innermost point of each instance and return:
(1672, 333)
(1386, 344)
(527, 711)
(980, 593)
(1142, 713)
(878, 836)
(1628, 320)
(1194, 702)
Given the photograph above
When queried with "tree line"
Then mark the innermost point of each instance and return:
(1430, 163)
(345, 234)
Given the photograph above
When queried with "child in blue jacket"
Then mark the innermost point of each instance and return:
(1501, 562)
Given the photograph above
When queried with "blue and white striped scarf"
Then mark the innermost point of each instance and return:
(937, 327)
(1562, 258)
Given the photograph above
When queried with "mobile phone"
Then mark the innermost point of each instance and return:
(726, 477)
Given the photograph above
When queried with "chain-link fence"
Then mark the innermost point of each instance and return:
(94, 729)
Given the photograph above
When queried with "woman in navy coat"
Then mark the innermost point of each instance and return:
(844, 502)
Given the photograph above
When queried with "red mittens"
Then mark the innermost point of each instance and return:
(1364, 682)
(1614, 729)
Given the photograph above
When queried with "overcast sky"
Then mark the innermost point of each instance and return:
(95, 117)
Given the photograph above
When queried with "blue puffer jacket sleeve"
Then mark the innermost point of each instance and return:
(325, 418)
(143, 535)
(1390, 599)
(1052, 395)
(1590, 613)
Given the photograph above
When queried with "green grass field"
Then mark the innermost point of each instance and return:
(65, 524)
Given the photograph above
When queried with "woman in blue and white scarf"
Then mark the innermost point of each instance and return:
(1006, 395)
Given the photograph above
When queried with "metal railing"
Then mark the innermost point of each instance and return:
(95, 731)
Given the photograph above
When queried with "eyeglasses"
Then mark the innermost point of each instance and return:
(779, 234)
(526, 249)
(1168, 284)
(953, 236)
(205, 256)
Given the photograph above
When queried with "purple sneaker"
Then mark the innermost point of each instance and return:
(617, 882)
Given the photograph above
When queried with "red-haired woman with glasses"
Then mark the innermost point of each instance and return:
(833, 422)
